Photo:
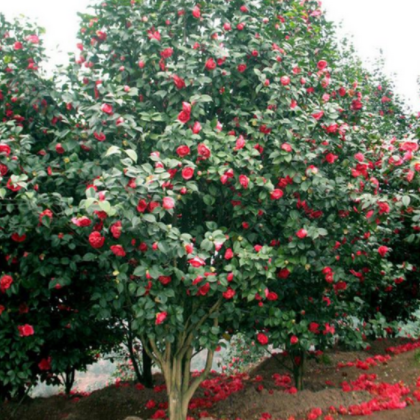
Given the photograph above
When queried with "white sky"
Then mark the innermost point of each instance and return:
(375, 24)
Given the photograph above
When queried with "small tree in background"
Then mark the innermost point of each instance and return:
(47, 327)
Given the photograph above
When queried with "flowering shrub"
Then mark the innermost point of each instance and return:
(207, 169)
(47, 327)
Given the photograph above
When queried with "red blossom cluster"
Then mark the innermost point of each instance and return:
(404, 348)
(387, 396)
(284, 381)
(218, 388)
(367, 363)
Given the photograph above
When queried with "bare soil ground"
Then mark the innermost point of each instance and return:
(256, 394)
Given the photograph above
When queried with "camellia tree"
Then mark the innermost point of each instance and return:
(212, 163)
(223, 155)
(47, 327)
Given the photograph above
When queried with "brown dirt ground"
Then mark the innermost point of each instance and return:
(114, 403)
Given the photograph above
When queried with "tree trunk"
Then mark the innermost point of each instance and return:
(177, 373)
(178, 406)
(147, 370)
(145, 376)
(298, 370)
(133, 358)
(69, 380)
(174, 359)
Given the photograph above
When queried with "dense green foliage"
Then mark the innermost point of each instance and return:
(203, 169)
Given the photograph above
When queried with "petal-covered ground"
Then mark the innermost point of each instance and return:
(382, 383)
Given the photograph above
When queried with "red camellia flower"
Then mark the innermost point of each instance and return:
(196, 127)
(185, 115)
(409, 146)
(276, 194)
(286, 147)
(331, 158)
(96, 240)
(142, 206)
(203, 151)
(382, 250)
(18, 238)
(360, 157)
(187, 173)
(3, 169)
(59, 149)
(342, 91)
(241, 68)
(107, 109)
(152, 34)
(183, 151)
(5, 149)
(302, 233)
(159, 414)
(26, 330)
(168, 203)
(229, 294)
(179, 82)
(45, 213)
(322, 64)
(152, 205)
(240, 143)
(228, 254)
(244, 181)
(285, 80)
(197, 262)
(11, 186)
(284, 273)
(116, 229)
(17, 46)
(45, 364)
(210, 64)
(314, 328)
(294, 340)
(356, 105)
(383, 208)
(318, 115)
(160, 317)
(167, 53)
(165, 280)
(33, 39)
(2, 308)
(5, 282)
(99, 136)
(262, 339)
(203, 290)
(189, 248)
(151, 403)
(196, 12)
(101, 35)
(81, 221)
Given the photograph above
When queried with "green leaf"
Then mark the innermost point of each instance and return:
(149, 218)
(105, 206)
(406, 200)
(132, 155)
(113, 150)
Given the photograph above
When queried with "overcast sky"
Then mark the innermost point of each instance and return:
(392, 26)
